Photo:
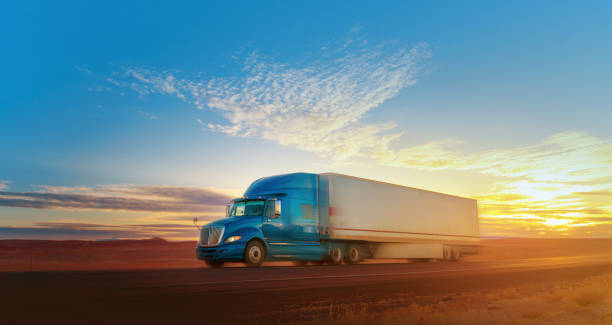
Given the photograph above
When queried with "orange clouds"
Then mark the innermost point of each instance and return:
(560, 186)
(121, 197)
(111, 211)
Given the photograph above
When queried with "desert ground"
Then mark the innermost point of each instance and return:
(579, 301)
(510, 281)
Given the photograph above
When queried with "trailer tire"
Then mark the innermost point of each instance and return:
(446, 253)
(336, 255)
(214, 264)
(353, 255)
(254, 253)
(419, 260)
(455, 255)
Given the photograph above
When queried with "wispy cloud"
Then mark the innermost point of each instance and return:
(563, 157)
(318, 106)
(65, 230)
(4, 184)
(66, 233)
(83, 69)
(99, 88)
(148, 115)
(123, 197)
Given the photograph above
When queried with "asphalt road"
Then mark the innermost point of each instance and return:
(264, 295)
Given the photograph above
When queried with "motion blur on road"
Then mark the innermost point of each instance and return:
(278, 293)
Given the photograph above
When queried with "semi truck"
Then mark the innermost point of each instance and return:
(333, 218)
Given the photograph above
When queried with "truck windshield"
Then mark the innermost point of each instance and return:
(247, 208)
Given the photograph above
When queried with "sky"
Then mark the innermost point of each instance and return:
(128, 119)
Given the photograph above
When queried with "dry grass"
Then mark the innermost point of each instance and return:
(587, 301)
(591, 295)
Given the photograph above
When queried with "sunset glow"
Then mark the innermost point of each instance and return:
(133, 132)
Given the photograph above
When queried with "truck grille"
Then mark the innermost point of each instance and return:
(211, 236)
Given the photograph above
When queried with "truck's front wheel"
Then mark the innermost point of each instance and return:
(254, 254)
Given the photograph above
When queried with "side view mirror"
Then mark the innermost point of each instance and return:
(227, 210)
(277, 208)
(274, 209)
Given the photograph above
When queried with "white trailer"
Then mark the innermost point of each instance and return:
(401, 222)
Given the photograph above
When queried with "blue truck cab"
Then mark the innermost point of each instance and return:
(278, 218)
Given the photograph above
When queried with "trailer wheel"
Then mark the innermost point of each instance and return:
(353, 255)
(254, 253)
(446, 254)
(455, 255)
(214, 264)
(336, 255)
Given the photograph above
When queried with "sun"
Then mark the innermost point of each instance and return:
(556, 222)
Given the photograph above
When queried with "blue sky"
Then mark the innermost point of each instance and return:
(422, 94)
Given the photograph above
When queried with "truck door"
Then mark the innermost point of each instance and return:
(274, 227)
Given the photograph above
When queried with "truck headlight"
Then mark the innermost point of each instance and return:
(232, 239)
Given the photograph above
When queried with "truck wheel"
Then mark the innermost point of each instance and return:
(353, 255)
(336, 256)
(254, 254)
(214, 264)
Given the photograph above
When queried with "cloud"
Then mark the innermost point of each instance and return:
(316, 106)
(83, 69)
(119, 197)
(89, 231)
(99, 88)
(549, 207)
(148, 115)
(65, 233)
(4, 184)
(563, 157)
(598, 193)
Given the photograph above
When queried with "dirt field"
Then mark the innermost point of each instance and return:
(43, 255)
(34, 255)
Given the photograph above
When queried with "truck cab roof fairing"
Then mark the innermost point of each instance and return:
(259, 197)
(297, 185)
